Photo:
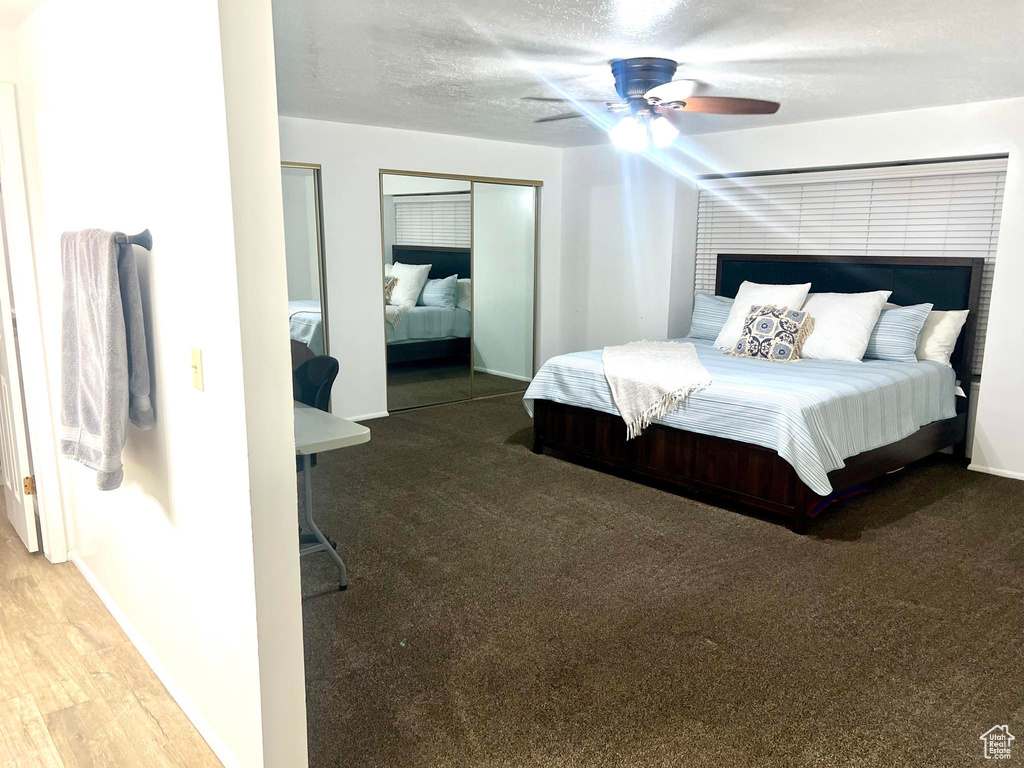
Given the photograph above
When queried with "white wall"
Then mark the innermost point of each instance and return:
(351, 157)
(8, 57)
(944, 132)
(621, 243)
(250, 90)
(196, 553)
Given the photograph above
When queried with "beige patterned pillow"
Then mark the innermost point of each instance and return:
(773, 333)
(390, 281)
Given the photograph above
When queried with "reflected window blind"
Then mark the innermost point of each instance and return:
(940, 209)
(438, 220)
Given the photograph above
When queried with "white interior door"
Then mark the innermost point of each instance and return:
(14, 459)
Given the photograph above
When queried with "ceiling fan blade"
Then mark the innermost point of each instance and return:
(566, 101)
(676, 90)
(563, 116)
(721, 105)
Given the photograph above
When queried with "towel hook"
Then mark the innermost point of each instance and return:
(144, 238)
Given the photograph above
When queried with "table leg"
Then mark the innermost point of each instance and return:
(307, 520)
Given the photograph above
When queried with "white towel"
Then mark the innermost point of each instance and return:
(105, 367)
(649, 379)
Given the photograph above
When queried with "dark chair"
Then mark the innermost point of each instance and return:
(311, 385)
(300, 354)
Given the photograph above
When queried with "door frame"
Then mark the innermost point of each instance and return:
(34, 371)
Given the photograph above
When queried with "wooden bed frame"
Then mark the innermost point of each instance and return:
(444, 262)
(753, 475)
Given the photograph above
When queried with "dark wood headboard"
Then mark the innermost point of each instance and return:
(947, 283)
(443, 261)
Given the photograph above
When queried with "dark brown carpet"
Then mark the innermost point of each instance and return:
(415, 385)
(508, 609)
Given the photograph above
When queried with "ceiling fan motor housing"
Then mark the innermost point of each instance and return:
(635, 77)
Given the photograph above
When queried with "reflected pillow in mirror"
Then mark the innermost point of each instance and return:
(411, 279)
(465, 297)
(440, 293)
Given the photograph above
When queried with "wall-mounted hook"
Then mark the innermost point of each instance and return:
(144, 238)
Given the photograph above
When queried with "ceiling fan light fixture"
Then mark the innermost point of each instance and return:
(630, 134)
(663, 133)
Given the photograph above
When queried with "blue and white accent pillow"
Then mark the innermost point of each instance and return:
(773, 333)
(440, 293)
(709, 315)
(896, 332)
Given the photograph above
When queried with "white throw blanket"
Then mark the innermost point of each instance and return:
(392, 314)
(650, 378)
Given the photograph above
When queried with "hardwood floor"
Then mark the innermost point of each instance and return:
(74, 692)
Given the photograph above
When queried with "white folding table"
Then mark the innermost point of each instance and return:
(317, 431)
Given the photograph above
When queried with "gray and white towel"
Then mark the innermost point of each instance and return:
(105, 372)
(649, 379)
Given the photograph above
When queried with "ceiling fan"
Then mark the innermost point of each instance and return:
(654, 102)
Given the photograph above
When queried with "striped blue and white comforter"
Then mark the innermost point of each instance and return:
(307, 324)
(421, 323)
(813, 413)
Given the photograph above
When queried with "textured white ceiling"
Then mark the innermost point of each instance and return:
(463, 66)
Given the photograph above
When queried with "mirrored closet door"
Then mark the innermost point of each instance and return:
(504, 238)
(458, 266)
(304, 257)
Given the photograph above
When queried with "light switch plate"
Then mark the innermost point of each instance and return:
(197, 368)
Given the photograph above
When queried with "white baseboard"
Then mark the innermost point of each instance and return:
(368, 416)
(999, 472)
(177, 693)
(506, 375)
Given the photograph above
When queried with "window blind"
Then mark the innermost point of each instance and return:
(940, 209)
(438, 220)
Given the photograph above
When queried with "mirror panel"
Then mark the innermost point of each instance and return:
(426, 232)
(307, 308)
(504, 245)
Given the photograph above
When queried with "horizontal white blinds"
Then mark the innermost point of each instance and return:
(438, 220)
(926, 210)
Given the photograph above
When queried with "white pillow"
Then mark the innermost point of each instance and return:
(748, 295)
(939, 334)
(387, 269)
(842, 324)
(465, 297)
(411, 279)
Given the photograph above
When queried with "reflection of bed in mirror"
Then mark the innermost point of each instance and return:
(306, 324)
(430, 333)
(304, 260)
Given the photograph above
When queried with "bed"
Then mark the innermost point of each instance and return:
(305, 319)
(782, 438)
(430, 333)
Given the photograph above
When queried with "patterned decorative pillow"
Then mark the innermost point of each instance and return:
(390, 281)
(773, 333)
